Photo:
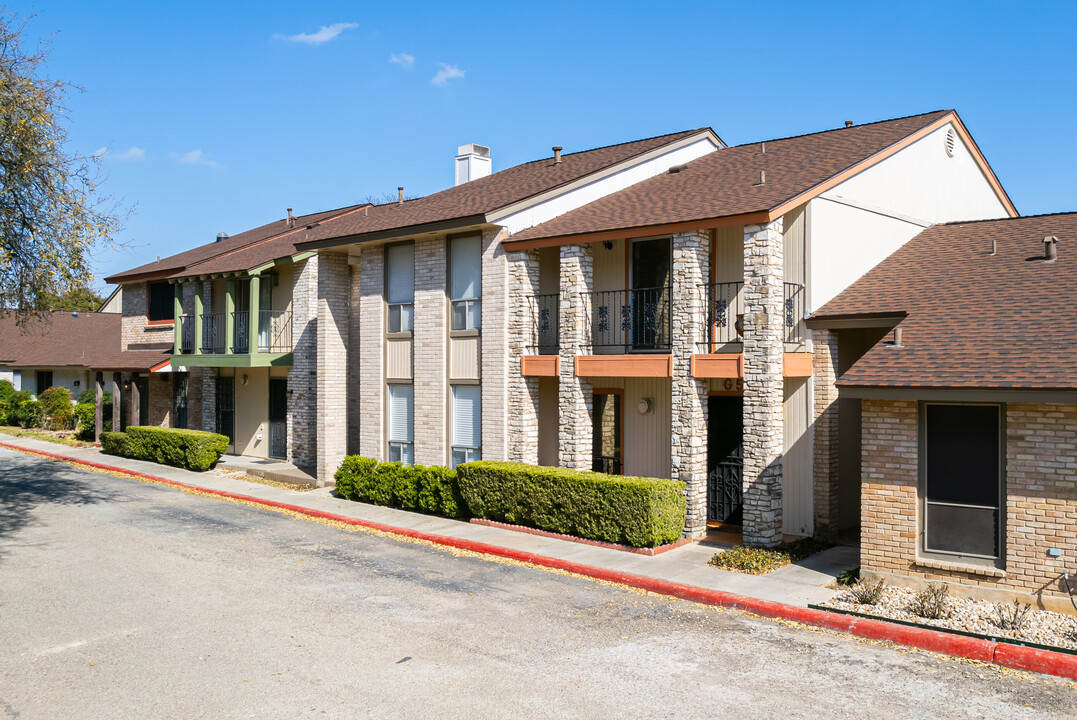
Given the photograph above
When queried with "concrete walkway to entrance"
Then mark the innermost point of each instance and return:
(277, 470)
(800, 584)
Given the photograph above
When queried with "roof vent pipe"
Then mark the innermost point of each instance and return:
(897, 337)
(848, 123)
(1050, 248)
(400, 195)
(762, 148)
(994, 246)
(762, 177)
(557, 154)
(291, 220)
(222, 236)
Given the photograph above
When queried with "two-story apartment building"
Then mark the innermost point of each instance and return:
(634, 309)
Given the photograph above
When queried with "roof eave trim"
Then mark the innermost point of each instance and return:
(405, 231)
(148, 275)
(520, 205)
(850, 321)
(943, 394)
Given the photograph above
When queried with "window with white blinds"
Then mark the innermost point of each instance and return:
(401, 424)
(400, 286)
(466, 423)
(465, 282)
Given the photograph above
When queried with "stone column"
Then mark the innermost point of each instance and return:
(372, 352)
(494, 368)
(136, 402)
(354, 344)
(118, 405)
(763, 347)
(431, 352)
(574, 398)
(334, 292)
(302, 389)
(691, 263)
(99, 408)
(825, 423)
(523, 391)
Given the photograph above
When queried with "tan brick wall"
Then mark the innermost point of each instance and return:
(1040, 502)
(135, 331)
(430, 352)
(372, 352)
(302, 388)
(495, 346)
(334, 323)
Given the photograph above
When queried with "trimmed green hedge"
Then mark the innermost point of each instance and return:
(642, 512)
(191, 449)
(418, 487)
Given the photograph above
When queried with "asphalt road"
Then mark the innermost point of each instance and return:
(122, 599)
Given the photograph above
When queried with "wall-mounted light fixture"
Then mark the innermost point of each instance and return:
(644, 405)
(608, 244)
(245, 378)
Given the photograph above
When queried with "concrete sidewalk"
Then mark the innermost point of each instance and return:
(798, 584)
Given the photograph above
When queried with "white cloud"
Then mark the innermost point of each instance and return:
(402, 59)
(131, 153)
(447, 73)
(197, 157)
(324, 35)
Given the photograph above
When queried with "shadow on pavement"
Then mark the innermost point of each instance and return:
(27, 482)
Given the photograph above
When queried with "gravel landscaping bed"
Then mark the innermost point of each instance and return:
(978, 616)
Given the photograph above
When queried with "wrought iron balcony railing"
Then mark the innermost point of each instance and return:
(213, 340)
(636, 320)
(186, 328)
(545, 311)
(274, 331)
(725, 313)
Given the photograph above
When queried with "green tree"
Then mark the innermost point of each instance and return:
(51, 214)
(76, 299)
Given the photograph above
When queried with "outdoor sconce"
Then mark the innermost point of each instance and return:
(608, 244)
(739, 325)
(244, 378)
(644, 405)
(77, 383)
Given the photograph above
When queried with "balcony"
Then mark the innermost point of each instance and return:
(724, 304)
(631, 321)
(213, 333)
(225, 339)
(545, 324)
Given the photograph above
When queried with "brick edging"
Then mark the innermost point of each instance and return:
(998, 653)
(582, 541)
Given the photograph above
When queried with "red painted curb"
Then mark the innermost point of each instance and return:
(1005, 654)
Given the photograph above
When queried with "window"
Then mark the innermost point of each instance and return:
(466, 423)
(400, 286)
(962, 479)
(179, 400)
(226, 407)
(161, 301)
(401, 424)
(465, 286)
(44, 380)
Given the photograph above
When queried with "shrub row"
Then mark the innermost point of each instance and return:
(412, 487)
(191, 449)
(642, 512)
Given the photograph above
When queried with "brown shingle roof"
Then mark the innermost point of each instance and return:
(478, 197)
(727, 182)
(175, 265)
(975, 320)
(59, 339)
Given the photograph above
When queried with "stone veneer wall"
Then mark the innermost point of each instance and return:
(334, 322)
(1040, 501)
(825, 420)
(372, 354)
(430, 352)
(494, 363)
(302, 389)
(691, 263)
(575, 399)
(763, 351)
(523, 400)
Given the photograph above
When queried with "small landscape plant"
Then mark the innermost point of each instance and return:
(1012, 617)
(57, 409)
(849, 577)
(191, 449)
(431, 489)
(759, 561)
(932, 601)
(867, 591)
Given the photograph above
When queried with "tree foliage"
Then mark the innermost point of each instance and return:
(76, 299)
(51, 215)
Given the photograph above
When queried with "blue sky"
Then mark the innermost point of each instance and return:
(218, 116)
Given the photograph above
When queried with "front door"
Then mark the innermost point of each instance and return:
(226, 408)
(650, 294)
(179, 400)
(278, 418)
(606, 434)
(725, 458)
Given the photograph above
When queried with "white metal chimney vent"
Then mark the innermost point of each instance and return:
(472, 162)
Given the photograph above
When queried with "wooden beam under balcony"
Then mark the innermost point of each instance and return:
(634, 365)
(540, 365)
(731, 365)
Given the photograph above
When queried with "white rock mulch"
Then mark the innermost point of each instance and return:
(978, 616)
